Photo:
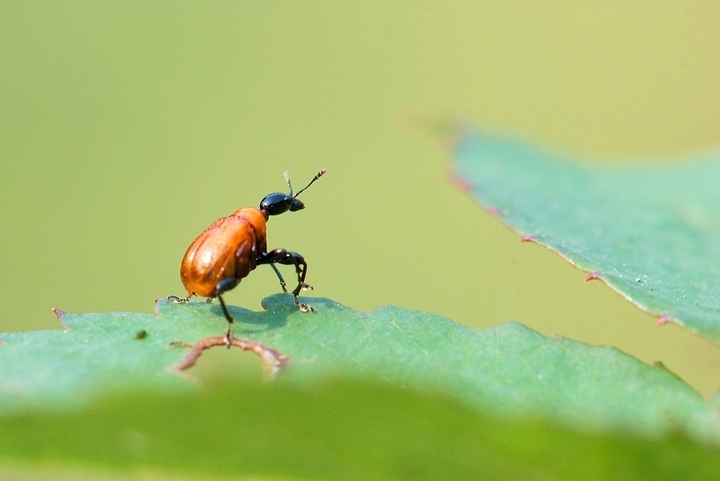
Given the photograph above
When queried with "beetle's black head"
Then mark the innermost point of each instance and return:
(279, 203)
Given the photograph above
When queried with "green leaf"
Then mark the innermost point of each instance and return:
(508, 369)
(651, 232)
(335, 430)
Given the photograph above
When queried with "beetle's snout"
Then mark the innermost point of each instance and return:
(297, 205)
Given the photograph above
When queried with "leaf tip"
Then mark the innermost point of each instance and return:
(157, 306)
(59, 313)
(592, 277)
(458, 181)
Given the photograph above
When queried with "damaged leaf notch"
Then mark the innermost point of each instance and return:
(273, 361)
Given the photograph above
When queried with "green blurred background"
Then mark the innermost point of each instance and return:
(128, 127)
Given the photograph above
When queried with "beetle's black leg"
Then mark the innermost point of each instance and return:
(285, 257)
(282, 256)
(180, 300)
(282, 280)
(223, 286)
(230, 320)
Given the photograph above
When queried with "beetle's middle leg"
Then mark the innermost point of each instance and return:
(285, 257)
(280, 277)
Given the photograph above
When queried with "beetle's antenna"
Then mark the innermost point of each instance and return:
(287, 179)
(317, 176)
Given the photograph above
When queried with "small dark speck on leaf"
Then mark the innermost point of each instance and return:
(141, 334)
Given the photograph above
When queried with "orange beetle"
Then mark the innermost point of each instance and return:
(233, 246)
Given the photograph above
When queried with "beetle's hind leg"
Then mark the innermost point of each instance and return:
(285, 257)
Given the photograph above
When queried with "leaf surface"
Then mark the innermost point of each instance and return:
(508, 369)
(650, 231)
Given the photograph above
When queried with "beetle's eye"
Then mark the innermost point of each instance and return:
(276, 203)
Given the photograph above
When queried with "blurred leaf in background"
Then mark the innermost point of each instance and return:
(334, 431)
(652, 232)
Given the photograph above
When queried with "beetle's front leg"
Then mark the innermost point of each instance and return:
(285, 257)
